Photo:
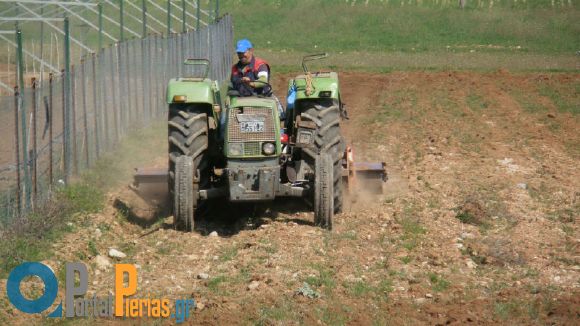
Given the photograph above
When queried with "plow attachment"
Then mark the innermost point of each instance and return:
(367, 176)
(150, 183)
(356, 176)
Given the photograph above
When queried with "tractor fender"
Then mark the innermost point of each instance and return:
(195, 90)
(323, 86)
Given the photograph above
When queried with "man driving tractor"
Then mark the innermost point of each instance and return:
(250, 75)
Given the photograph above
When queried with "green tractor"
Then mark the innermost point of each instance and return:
(237, 148)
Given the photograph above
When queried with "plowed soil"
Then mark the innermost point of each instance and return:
(478, 222)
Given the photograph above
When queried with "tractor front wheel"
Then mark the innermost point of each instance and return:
(323, 191)
(185, 193)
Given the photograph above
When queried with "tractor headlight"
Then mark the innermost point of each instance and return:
(268, 148)
(236, 149)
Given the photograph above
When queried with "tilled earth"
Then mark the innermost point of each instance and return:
(478, 222)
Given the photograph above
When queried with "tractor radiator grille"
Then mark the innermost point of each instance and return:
(235, 134)
(252, 149)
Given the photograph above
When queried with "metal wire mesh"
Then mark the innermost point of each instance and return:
(109, 93)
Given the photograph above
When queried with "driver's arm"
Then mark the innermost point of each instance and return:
(263, 77)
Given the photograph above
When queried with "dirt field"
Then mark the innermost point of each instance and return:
(478, 224)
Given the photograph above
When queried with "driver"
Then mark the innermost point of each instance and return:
(250, 74)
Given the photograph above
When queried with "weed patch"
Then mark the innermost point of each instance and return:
(438, 283)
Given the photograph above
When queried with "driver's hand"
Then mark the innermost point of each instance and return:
(246, 80)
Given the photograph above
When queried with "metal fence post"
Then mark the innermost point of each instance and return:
(65, 135)
(128, 82)
(73, 118)
(34, 143)
(95, 105)
(104, 98)
(143, 81)
(168, 17)
(17, 150)
(197, 15)
(114, 96)
(120, 77)
(85, 119)
(23, 118)
(50, 135)
(67, 88)
(122, 20)
(144, 12)
(100, 6)
(183, 17)
(217, 9)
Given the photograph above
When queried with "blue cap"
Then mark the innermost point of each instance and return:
(243, 45)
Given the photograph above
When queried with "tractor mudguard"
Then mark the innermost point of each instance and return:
(323, 85)
(195, 90)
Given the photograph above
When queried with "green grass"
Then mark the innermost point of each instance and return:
(438, 283)
(31, 238)
(412, 228)
(324, 277)
(565, 97)
(387, 26)
(214, 284)
(229, 253)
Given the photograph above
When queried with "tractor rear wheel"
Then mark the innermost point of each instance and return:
(188, 136)
(323, 191)
(329, 140)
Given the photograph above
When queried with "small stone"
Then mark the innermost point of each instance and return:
(202, 276)
(102, 262)
(69, 224)
(420, 300)
(199, 305)
(264, 226)
(467, 235)
(213, 234)
(522, 186)
(98, 233)
(459, 245)
(470, 264)
(114, 253)
(253, 285)
(428, 295)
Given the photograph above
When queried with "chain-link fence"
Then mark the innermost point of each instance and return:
(86, 110)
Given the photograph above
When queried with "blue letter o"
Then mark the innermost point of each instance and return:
(32, 269)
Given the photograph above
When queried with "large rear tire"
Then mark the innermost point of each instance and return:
(323, 191)
(188, 136)
(329, 140)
